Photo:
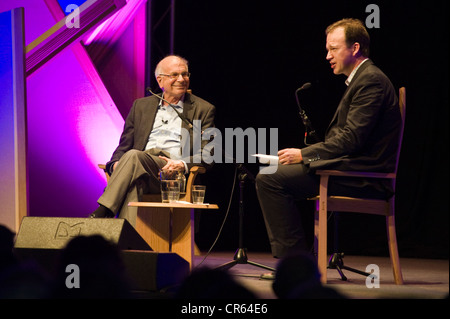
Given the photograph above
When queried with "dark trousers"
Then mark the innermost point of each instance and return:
(278, 193)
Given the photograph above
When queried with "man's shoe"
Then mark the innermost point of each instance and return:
(102, 212)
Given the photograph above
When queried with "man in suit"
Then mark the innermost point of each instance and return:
(152, 140)
(363, 135)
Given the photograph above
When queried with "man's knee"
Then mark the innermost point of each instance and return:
(133, 155)
(264, 181)
(140, 158)
(260, 179)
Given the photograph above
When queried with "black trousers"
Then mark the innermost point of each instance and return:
(277, 194)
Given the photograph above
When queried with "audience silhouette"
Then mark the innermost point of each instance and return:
(7, 258)
(297, 277)
(207, 283)
(102, 274)
(19, 280)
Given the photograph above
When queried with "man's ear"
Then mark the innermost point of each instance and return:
(159, 79)
(356, 49)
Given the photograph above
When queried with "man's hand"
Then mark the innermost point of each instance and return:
(172, 164)
(290, 156)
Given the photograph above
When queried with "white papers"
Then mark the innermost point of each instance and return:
(189, 203)
(267, 159)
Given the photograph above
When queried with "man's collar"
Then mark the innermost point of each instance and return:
(180, 103)
(350, 77)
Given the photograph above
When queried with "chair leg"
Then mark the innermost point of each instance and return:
(393, 249)
(320, 241)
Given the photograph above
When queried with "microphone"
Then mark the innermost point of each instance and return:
(304, 117)
(180, 115)
(303, 87)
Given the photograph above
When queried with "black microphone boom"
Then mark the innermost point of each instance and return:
(180, 115)
(309, 130)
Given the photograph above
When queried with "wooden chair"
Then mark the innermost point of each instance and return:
(325, 203)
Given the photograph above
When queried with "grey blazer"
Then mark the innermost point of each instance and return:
(139, 124)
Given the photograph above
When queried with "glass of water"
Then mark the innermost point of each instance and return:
(170, 191)
(171, 174)
(198, 194)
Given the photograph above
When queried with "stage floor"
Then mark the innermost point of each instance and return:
(423, 278)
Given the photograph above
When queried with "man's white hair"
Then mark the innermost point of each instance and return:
(159, 65)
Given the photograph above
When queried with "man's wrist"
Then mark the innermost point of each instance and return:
(186, 168)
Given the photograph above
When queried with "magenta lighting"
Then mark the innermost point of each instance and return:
(65, 32)
(73, 120)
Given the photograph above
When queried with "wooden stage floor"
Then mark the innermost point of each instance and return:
(423, 278)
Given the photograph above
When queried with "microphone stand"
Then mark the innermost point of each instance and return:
(309, 130)
(240, 256)
(335, 261)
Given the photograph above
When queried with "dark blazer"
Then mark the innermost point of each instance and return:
(364, 132)
(139, 124)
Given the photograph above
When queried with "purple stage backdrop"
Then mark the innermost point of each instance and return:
(73, 122)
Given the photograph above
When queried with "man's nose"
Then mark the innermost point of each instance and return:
(180, 78)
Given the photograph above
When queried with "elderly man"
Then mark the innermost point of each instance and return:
(151, 140)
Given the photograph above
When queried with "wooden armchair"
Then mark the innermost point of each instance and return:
(325, 203)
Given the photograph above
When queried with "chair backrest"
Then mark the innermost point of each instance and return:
(402, 106)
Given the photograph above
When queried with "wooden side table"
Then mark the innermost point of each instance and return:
(168, 227)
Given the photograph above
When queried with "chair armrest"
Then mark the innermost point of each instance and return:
(197, 169)
(190, 182)
(355, 174)
(103, 167)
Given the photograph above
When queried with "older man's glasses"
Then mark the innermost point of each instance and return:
(175, 75)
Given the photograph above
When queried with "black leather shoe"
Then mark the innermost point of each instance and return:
(102, 212)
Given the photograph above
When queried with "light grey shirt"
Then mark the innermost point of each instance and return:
(166, 132)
